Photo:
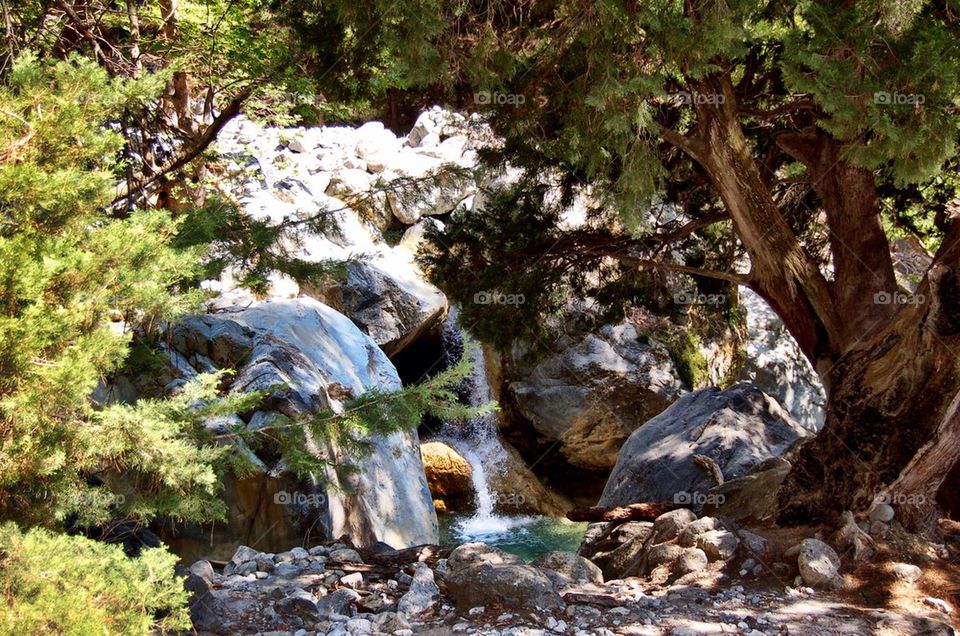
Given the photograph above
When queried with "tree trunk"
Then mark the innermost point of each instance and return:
(891, 413)
(168, 13)
(890, 368)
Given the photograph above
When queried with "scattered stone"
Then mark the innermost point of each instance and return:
(337, 603)
(819, 564)
(688, 537)
(354, 580)
(937, 603)
(570, 567)
(669, 525)
(663, 554)
(243, 553)
(298, 603)
(719, 545)
(906, 572)
(690, 560)
(882, 512)
(423, 593)
(346, 555)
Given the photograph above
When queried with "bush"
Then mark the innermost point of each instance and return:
(58, 584)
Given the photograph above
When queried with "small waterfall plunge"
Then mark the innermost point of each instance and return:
(477, 440)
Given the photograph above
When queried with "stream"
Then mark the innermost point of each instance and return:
(478, 441)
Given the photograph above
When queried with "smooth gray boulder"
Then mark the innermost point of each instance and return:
(309, 358)
(819, 564)
(737, 428)
(591, 395)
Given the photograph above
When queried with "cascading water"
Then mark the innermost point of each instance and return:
(478, 441)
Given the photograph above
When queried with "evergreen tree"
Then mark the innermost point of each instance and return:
(754, 116)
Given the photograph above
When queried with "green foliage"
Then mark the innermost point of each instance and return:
(347, 432)
(57, 584)
(67, 267)
(691, 364)
(254, 249)
(514, 250)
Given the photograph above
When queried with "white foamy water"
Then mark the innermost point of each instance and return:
(479, 442)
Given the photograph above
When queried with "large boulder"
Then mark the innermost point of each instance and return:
(309, 358)
(774, 363)
(478, 575)
(385, 293)
(591, 395)
(736, 428)
(394, 308)
(617, 548)
(448, 473)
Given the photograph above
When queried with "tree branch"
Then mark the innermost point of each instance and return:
(191, 152)
(739, 279)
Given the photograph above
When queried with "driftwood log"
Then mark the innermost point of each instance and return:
(603, 600)
(633, 512)
(425, 553)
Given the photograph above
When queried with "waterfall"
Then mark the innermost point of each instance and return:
(477, 440)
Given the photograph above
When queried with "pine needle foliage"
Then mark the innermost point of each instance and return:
(68, 269)
(58, 584)
(336, 439)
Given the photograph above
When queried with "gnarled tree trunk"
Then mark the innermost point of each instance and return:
(892, 425)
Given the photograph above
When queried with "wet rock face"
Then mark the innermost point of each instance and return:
(736, 429)
(320, 359)
(595, 392)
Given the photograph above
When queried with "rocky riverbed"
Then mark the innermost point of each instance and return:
(691, 576)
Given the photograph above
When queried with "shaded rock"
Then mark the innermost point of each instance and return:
(668, 526)
(448, 473)
(663, 554)
(718, 545)
(298, 603)
(393, 309)
(819, 564)
(337, 603)
(469, 554)
(737, 428)
(618, 549)
(595, 392)
(690, 560)
(570, 567)
(515, 585)
(752, 497)
(882, 512)
(423, 593)
(520, 491)
(688, 536)
(346, 555)
(754, 543)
